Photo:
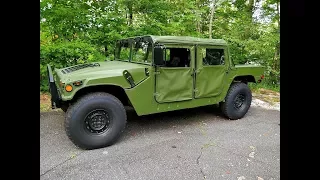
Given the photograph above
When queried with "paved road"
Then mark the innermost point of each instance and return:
(189, 144)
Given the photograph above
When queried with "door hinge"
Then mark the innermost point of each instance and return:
(157, 72)
(156, 94)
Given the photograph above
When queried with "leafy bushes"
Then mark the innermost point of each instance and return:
(63, 54)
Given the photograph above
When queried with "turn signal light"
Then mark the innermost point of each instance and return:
(68, 88)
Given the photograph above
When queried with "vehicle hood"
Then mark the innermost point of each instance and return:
(98, 70)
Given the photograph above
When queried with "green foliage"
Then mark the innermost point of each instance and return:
(74, 31)
(69, 53)
(63, 54)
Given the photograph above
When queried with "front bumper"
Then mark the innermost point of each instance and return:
(55, 96)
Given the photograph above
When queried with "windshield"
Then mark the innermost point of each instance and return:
(123, 51)
(141, 51)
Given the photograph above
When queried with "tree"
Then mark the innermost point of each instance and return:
(73, 31)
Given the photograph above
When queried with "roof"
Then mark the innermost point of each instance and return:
(182, 40)
(188, 40)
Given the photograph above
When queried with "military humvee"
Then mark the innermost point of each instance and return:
(152, 74)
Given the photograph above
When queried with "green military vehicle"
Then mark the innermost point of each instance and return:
(152, 74)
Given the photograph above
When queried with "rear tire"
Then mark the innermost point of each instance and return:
(95, 120)
(237, 101)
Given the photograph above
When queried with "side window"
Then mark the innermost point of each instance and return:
(213, 57)
(178, 57)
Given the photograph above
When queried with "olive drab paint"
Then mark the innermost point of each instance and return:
(161, 88)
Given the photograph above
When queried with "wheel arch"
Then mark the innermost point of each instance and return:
(244, 78)
(114, 90)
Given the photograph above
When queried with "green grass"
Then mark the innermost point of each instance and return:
(256, 86)
(45, 107)
(45, 103)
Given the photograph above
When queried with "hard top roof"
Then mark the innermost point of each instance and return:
(182, 40)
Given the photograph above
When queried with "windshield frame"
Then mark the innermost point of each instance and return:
(131, 42)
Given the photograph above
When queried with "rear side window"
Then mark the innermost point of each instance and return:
(213, 57)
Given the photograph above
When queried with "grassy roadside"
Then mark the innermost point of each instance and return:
(266, 92)
(45, 103)
(266, 95)
(257, 86)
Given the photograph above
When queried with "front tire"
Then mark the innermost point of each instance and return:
(95, 120)
(237, 101)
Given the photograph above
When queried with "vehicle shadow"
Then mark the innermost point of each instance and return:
(136, 125)
(174, 115)
(167, 120)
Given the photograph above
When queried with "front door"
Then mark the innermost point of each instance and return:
(211, 67)
(174, 81)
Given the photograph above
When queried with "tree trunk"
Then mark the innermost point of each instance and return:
(198, 17)
(106, 50)
(130, 13)
(250, 9)
(278, 14)
(277, 49)
(211, 17)
(275, 57)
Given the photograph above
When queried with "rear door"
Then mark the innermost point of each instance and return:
(211, 68)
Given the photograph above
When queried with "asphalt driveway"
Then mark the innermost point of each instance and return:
(189, 144)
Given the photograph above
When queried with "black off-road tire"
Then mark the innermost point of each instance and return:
(96, 120)
(237, 101)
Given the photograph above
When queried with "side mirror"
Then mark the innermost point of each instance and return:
(159, 55)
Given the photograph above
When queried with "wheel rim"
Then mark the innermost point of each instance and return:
(97, 121)
(239, 101)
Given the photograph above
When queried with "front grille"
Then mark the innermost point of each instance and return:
(77, 67)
